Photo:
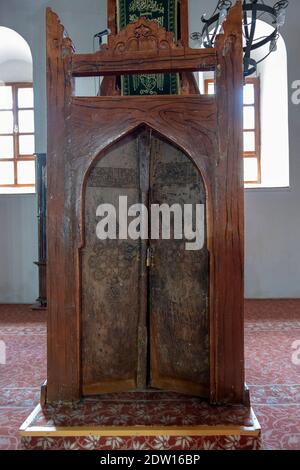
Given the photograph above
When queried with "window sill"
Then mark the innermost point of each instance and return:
(266, 189)
(17, 192)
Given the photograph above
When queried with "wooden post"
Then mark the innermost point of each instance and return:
(227, 302)
(112, 17)
(184, 22)
(63, 353)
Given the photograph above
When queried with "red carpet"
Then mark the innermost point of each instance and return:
(24, 333)
(271, 329)
(273, 379)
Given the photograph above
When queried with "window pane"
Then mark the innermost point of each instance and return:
(26, 172)
(6, 173)
(250, 169)
(6, 122)
(6, 147)
(249, 117)
(211, 88)
(249, 93)
(25, 98)
(26, 144)
(249, 142)
(6, 97)
(26, 121)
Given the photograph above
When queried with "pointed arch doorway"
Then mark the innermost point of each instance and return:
(144, 302)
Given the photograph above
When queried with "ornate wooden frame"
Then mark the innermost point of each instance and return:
(207, 129)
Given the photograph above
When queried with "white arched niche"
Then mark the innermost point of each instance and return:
(15, 57)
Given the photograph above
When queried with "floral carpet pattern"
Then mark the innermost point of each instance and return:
(271, 328)
(142, 409)
(141, 443)
(23, 332)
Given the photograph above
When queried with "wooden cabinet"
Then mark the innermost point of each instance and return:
(125, 314)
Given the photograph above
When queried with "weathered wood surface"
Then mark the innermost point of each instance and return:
(184, 22)
(122, 310)
(227, 299)
(110, 279)
(112, 17)
(204, 128)
(179, 322)
(191, 60)
(63, 346)
(143, 47)
(144, 154)
(88, 115)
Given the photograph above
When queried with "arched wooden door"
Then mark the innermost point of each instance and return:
(144, 301)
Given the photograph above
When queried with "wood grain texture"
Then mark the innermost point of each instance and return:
(111, 18)
(127, 303)
(110, 268)
(63, 334)
(144, 143)
(207, 130)
(142, 47)
(228, 245)
(184, 22)
(86, 144)
(179, 322)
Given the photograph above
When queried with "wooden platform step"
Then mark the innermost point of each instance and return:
(141, 420)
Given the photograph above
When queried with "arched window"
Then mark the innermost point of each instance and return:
(266, 133)
(272, 74)
(17, 164)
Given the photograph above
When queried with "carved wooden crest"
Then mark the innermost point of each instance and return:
(142, 36)
(61, 40)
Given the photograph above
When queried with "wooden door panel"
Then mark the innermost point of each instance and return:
(110, 279)
(178, 283)
(116, 315)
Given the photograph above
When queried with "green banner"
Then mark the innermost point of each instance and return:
(165, 13)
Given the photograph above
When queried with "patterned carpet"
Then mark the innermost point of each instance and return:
(24, 334)
(274, 380)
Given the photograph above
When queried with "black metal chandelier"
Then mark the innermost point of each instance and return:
(253, 10)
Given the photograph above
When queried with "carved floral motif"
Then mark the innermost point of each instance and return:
(143, 35)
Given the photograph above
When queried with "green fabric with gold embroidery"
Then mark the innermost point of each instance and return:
(165, 13)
